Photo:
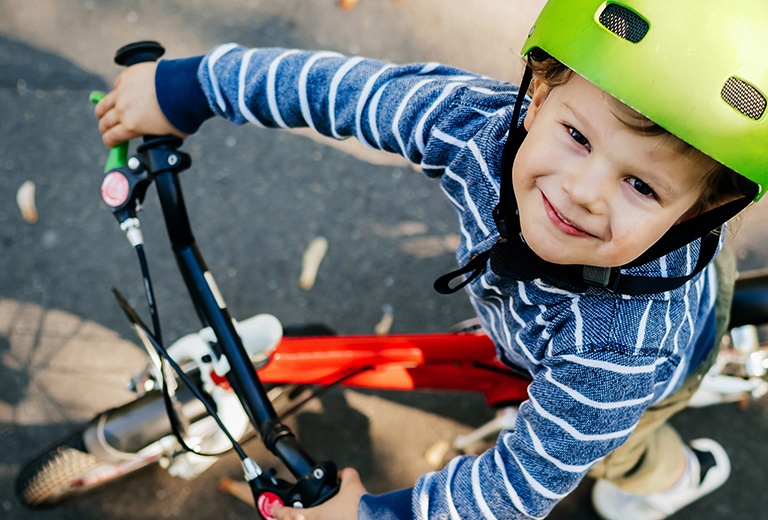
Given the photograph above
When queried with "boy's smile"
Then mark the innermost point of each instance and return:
(590, 189)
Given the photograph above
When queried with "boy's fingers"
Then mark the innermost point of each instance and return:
(288, 513)
(105, 105)
(116, 135)
(349, 476)
(107, 121)
(343, 505)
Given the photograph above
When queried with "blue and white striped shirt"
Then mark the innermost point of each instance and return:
(597, 360)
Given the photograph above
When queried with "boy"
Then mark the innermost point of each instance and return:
(586, 231)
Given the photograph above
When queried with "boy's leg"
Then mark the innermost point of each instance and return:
(653, 457)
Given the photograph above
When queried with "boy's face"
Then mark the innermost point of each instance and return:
(590, 190)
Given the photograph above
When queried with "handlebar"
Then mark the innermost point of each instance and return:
(118, 155)
(159, 160)
(139, 52)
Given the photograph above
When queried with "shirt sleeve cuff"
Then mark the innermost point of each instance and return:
(180, 95)
(389, 506)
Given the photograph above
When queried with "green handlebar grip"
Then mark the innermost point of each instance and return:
(118, 155)
(95, 96)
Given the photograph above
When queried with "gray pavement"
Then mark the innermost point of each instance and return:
(256, 199)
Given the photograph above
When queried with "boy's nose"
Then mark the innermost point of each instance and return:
(588, 186)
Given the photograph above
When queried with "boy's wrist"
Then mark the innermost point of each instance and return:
(395, 505)
(180, 95)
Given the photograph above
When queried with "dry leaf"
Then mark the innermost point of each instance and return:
(430, 246)
(385, 324)
(310, 263)
(407, 228)
(25, 199)
(238, 489)
(436, 453)
(346, 5)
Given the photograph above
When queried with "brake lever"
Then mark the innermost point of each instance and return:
(126, 179)
(320, 484)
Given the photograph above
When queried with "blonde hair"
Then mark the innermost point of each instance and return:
(719, 184)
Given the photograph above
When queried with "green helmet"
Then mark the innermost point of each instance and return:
(697, 68)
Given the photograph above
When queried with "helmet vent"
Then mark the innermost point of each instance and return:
(623, 22)
(744, 97)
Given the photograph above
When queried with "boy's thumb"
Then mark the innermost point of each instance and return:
(287, 513)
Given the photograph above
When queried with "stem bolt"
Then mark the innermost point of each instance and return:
(134, 163)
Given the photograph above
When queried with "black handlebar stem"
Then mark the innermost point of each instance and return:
(164, 162)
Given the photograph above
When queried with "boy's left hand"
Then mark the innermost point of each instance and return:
(343, 506)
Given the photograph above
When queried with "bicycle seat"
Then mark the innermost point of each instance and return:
(750, 299)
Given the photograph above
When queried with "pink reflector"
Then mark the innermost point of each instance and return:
(114, 189)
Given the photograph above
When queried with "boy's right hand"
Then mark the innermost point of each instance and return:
(343, 506)
(131, 109)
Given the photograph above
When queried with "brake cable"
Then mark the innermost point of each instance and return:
(139, 324)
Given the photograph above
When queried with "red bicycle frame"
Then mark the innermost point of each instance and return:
(453, 361)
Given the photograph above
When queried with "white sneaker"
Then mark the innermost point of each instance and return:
(611, 503)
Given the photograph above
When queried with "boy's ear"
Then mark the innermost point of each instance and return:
(540, 92)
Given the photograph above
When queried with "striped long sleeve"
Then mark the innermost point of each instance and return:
(597, 360)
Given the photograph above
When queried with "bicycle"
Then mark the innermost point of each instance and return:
(230, 364)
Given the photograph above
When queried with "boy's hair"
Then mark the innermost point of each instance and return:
(719, 183)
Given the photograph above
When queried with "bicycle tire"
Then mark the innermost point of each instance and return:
(67, 470)
(115, 443)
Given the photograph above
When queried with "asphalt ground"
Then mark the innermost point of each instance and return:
(256, 199)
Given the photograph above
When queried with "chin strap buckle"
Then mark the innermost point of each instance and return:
(604, 277)
(474, 268)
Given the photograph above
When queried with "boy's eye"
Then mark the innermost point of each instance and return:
(641, 187)
(578, 137)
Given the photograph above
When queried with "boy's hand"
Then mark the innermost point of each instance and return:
(131, 109)
(343, 506)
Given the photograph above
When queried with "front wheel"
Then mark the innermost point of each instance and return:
(68, 470)
(115, 443)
